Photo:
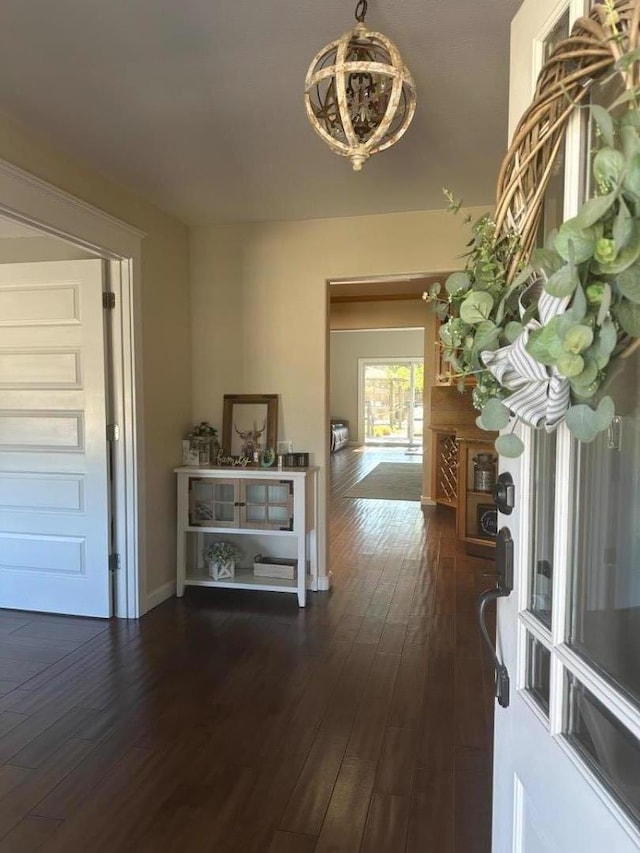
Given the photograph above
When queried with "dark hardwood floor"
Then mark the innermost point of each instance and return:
(234, 722)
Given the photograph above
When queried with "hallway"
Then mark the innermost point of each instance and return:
(234, 722)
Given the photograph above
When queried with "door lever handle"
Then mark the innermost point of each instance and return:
(503, 588)
(502, 674)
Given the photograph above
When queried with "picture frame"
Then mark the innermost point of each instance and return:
(249, 424)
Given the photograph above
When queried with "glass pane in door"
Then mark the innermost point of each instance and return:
(538, 672)
(544, 490)
(611, 751)
(605, 605)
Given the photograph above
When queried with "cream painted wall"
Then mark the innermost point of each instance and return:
(216, 318)
(165, 347)
(347, 348)
(282, 331)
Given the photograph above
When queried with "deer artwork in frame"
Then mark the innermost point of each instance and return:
(249, 424)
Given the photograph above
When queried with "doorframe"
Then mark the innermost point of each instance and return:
(39, 204)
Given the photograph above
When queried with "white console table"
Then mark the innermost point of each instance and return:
(281, 504)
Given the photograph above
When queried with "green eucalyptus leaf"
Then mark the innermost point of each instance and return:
(622, 227)
(512, 331)
(547, 261)
(457, 283)
(631, 181)
(570, 365)
(628, 282)
(623, 259)
(563, 282)
(449, 334)
(476, 307)
(609, 165)
(604, 122)
(585, 423)
(588, 376)
(627, 60)
(546, 344)
(442, 310)
(480, 424)
(495, 415)
(604, 413)
(605, 304)
(630, 140)
(624, 98)
(592, 211)
(581, 421)
(628, 315)
(607, 336)
(510, 446)
(577, 339)
(578, 309)
(487, 335)
(434, 290)
(604, 344)
(575, 242)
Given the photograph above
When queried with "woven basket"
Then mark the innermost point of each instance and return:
(574, 66)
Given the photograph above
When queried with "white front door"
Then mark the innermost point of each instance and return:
(567, 748)
(54, 482)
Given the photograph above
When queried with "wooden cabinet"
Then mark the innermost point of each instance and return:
(476, 511)
(454, 484)
(271, 512)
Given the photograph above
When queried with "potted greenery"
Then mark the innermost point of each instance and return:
(203, 439)
(220, 558)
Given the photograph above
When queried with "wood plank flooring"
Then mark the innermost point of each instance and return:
(234, 722)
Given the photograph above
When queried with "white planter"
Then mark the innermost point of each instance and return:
(220, 571)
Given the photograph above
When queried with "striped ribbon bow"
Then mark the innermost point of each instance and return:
(541, 396)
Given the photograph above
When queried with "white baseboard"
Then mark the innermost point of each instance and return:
(324, 582)
(162, 593)
(425, 501)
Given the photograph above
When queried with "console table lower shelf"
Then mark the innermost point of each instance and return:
(244, 578)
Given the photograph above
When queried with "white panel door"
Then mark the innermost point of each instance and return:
(567, 748)
(54, 485)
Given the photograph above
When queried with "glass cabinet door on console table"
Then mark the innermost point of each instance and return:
(267, 513)
(228, 502)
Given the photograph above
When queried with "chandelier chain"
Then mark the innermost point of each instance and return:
(361, 11)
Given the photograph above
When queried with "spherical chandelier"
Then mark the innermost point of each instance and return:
(359, 94)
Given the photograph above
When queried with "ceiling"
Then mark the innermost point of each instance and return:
(197, 104)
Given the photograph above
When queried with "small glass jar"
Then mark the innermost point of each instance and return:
(484, 472)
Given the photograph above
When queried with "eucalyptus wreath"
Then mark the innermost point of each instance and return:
(541, 347)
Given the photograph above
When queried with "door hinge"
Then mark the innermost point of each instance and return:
(108, 299)
(114, 563)
(113, 432)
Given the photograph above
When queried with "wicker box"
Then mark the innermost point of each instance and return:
(275, 567)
